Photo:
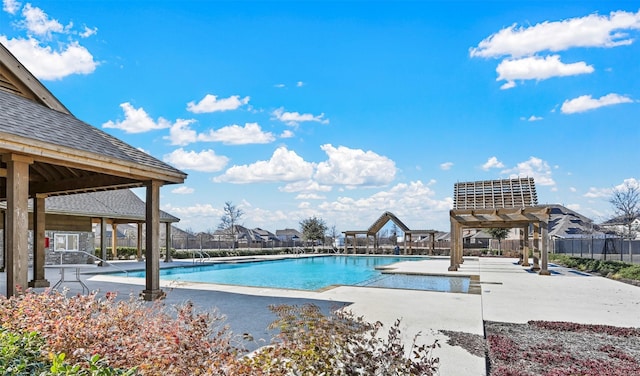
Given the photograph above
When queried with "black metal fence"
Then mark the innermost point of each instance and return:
(610, 248)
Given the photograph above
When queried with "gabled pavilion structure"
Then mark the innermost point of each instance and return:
(372, 233)
(46, 151)
(509, 203)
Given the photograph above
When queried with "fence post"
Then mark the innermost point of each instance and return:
(621, 248)
(580, 247)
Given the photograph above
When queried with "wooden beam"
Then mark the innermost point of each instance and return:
(83, 184)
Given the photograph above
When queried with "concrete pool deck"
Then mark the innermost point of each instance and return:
(508, 293)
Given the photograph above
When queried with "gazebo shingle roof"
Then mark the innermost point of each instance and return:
(119, 204)
(57, 128)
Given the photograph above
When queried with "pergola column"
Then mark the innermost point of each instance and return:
(455, 234)
(525, 246)
(460, 246)
(167, 242)
(17, 222)
(39, 279)
(544, 259)
(139, 242)
(536, 246)
(432, 237)
(114, 241)
(152, 250)
(103, 240)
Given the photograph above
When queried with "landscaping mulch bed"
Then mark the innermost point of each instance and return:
(560, 348)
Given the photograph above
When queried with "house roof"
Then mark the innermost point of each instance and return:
(288, 232)
(565, 222)
(117, 204)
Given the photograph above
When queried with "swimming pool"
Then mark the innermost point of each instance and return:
(305, 273)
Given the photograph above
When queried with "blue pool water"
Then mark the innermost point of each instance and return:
(305, 273)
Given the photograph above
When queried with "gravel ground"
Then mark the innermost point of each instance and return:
(542, 348)
(557, 348)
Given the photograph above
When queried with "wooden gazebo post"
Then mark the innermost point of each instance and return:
(152, 251)
(16, 236)
(39, 279)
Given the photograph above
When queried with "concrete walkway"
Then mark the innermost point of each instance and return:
(507, 293)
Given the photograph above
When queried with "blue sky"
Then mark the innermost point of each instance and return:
(344, 110)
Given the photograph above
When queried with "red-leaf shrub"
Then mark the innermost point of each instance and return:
(126, 334)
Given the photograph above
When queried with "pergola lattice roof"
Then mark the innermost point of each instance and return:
(495, 194)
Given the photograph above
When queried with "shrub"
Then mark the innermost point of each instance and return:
(616, 269)
(129, 333)
(51, 334)
(20, 354)
(310, 343)
(632, 272)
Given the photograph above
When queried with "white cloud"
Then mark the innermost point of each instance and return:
(589, 31)
(598, 192)
(411, 202)
(537, 68)
(181, 134)
(446, 166)
(286, 134)
(574, 207)
(586, 102)
(534, 168)
(299, 84)
(284, 165)
(294, 118)
(183, 190)
(10, 6)
(197, 211)
(88, 32)
(354, 167)
(573, 189)
(492, 162)
(279, 86)
(44, 56)
(136, 120)
(532, 118)
(309, 196)
(211, 103)
(47, 64)
(205, 161)
(631, 182)
(37, 22)
(305, 186)
(251, 133)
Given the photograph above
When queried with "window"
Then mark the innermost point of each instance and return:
(66, 242)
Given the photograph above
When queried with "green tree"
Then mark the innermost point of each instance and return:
(313, 229)
(499, 234)
(229, 220)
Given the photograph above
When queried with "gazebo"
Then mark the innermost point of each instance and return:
(46, 151)
(379, 224)
(509, 203)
